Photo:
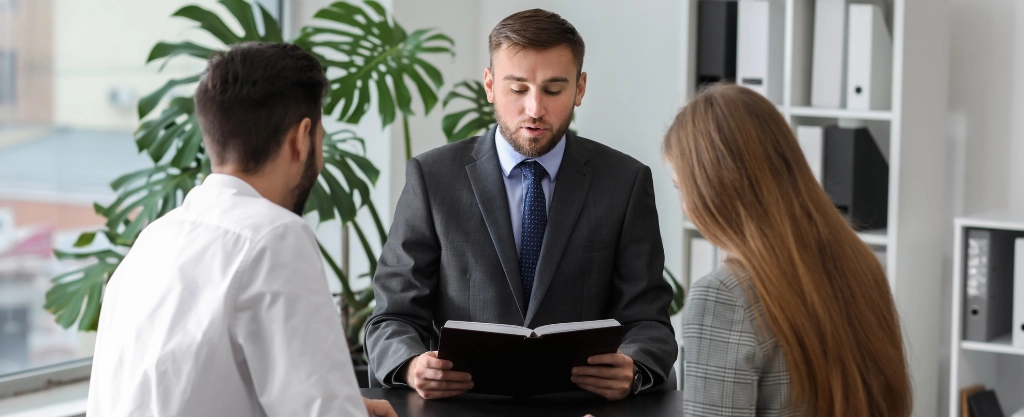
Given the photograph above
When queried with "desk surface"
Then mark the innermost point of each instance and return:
(577, 404)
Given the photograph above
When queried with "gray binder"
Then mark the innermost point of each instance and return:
(988, 287)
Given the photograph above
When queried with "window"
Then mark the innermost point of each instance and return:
(8, 75)
(70, 77)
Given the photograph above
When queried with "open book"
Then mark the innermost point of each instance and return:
(516, 361)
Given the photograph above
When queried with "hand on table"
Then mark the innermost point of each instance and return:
(379, 408)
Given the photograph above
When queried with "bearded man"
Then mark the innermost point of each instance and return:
(221, 308)
(527, 225)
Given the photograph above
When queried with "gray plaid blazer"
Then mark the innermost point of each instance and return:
(731, 367)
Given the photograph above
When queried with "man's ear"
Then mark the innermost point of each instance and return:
(581, 88)
(489, 84)
(298, 142)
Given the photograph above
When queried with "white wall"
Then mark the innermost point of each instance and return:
(987, 103)
(633, 78)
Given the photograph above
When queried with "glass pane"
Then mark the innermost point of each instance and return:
(71, 74)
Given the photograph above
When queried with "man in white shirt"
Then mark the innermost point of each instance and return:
(221, 308)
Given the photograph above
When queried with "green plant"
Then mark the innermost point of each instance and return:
(479, 117)
(172, 139)
(378, 50)
(480, 112)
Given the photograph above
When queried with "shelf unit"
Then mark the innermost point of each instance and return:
(911, 134)
(996, 364)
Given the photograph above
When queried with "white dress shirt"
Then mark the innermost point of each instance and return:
(221, 308)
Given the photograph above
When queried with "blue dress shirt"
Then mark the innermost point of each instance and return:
(513, 176)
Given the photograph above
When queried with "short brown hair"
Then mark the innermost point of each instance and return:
(537, 29)
(250, 96)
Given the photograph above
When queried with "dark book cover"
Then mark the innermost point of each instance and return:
(985, 404)
(524, 364)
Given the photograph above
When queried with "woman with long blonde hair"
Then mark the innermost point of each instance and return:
(800, 320)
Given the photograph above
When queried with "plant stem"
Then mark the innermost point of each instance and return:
(346, 291)
(376, 221)
(408, 140)
(370, 257)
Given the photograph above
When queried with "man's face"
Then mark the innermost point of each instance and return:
(310, 171)
(534, 93)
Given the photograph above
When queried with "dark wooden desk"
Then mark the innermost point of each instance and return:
(577, 404)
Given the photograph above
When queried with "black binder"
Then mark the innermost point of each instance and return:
(856, 177)
(716, 41)
(988, 283)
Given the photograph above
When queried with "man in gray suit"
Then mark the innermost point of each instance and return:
(526, 225)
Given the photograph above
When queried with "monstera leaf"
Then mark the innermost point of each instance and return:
(476, 119)
(172, 140)
(378, 58)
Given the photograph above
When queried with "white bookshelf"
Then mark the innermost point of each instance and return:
(996, 364)
(839, 113)
(912, 135)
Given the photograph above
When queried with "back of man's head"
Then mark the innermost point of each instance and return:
(250, 96)
(536, 29)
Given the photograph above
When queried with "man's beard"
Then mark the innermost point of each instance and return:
(300, 193)
(532, 147)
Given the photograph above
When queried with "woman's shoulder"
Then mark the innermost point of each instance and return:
(724, 284)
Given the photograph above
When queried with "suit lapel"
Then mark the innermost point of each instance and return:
(486, 178)
(571, 187)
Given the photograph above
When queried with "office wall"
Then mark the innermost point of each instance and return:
(987, 104)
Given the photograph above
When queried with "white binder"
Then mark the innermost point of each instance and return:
(868, 60)
(812, 142)
(760, 37)
(1018, 293)
(829, 53)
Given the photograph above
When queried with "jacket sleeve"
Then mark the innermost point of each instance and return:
(641, 296)
(405, 283)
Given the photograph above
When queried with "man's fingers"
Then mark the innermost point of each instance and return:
(379, 408)
(598, 382)
(604, 372)
(616, 359)
(435, 363)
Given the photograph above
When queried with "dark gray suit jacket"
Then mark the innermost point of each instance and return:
(451, 254)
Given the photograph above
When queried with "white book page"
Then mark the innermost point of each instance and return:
(488, 327)
(579, 325)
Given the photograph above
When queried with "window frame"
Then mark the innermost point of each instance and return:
(45, 377)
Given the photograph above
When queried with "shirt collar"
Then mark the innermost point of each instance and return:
(509, 158)
(231, 182)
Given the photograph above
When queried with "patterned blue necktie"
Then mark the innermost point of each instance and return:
(535, 220)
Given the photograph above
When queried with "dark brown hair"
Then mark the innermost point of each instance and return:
(250, 96)
(747, 187)
(537, 30)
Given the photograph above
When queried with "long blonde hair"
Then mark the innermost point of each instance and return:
(747, 187)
